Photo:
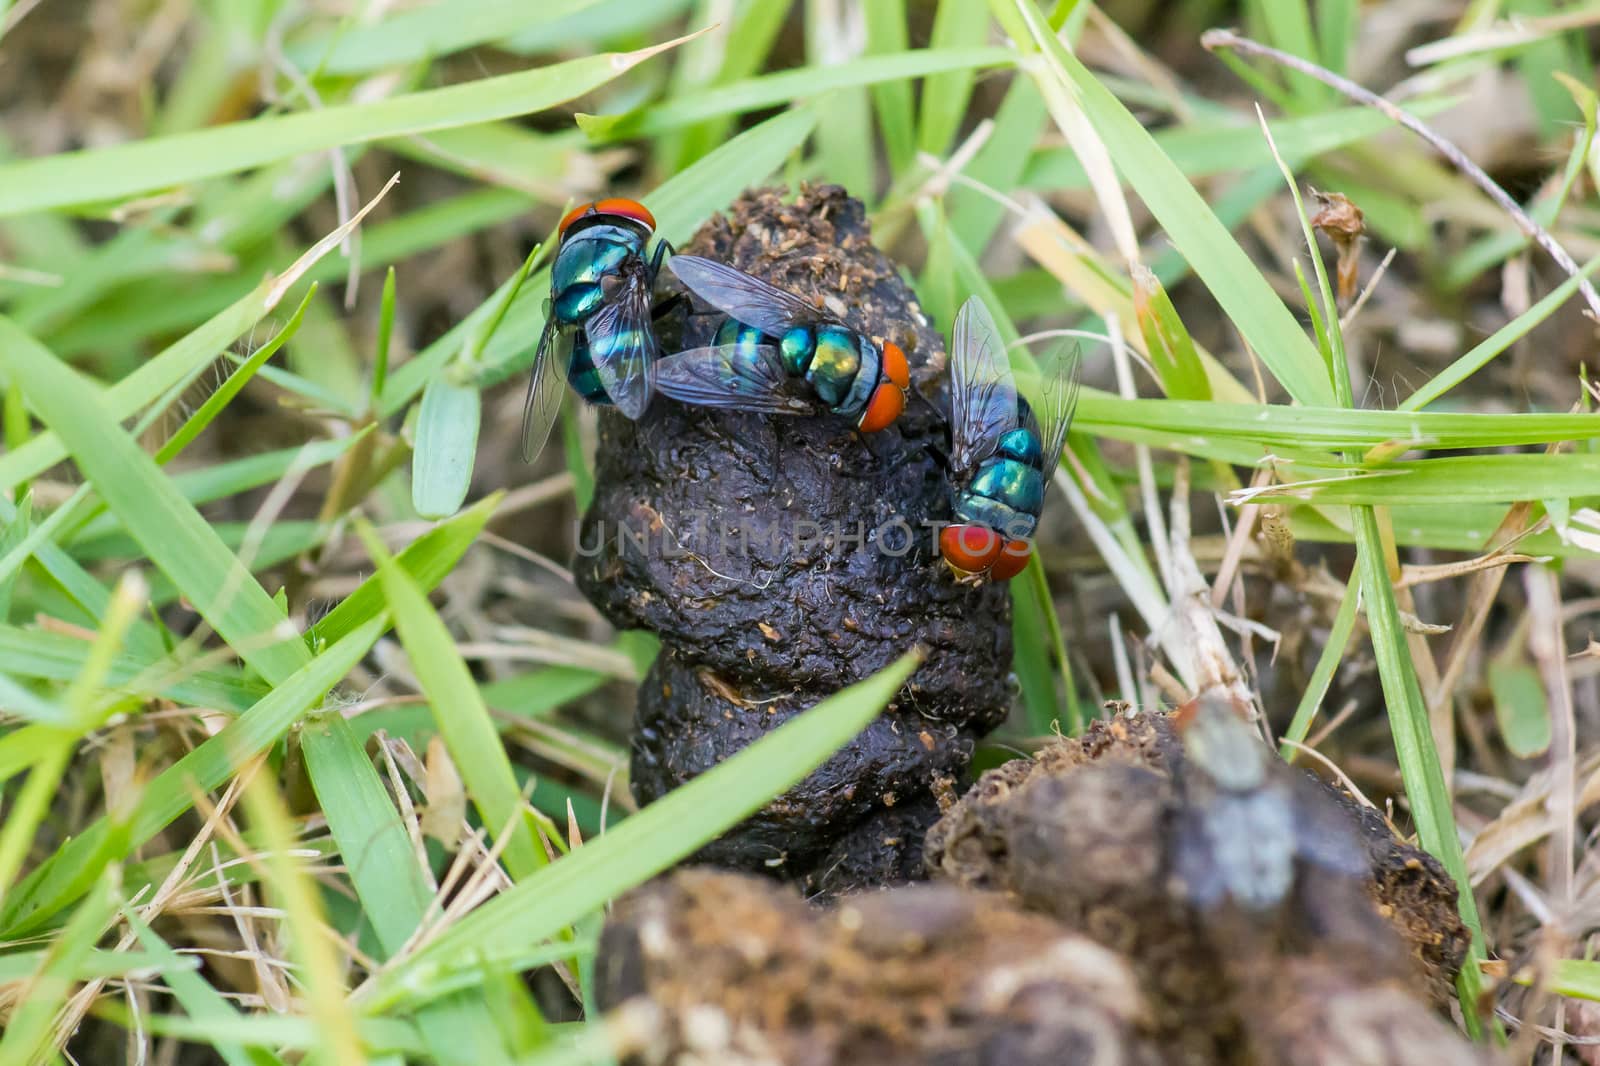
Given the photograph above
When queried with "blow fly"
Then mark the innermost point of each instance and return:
(772, 337)
(1002, 454)
(1247, 822)
(598, 333)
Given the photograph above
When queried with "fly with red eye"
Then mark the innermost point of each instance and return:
(1002, 453)
(599, 334)
(777, 354)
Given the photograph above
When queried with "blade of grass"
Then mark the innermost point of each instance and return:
(1456, 480)
(86, 711)
(844, 148)
(886, 35)
(1288, 25)
(177, 538)
(717, 60)
(390, 880)
(58, 657)
(236, 381)
(668, 830)
(1498, 341)
(459, 713)
(138, 167)
(425, 33)
(447, 439)
(1205, 149)
(1000, 164)
(28, 1031)
(426, 560)
(1328, 427)
(1409, 725)
(175, 364)
(1305, 713)
(945, 95)
(394, 888)
(1235, 283)
(203, 1003)
(310, 947)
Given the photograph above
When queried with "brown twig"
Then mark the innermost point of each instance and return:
(1215, 39)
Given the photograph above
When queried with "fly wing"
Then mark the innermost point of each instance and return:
(743, 298)
(622, 344)
(723, 377)
(1324, 834)
(1060, 403)
(549, 381)
(983, 395)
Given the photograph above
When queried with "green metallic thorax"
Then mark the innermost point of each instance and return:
(586, 258)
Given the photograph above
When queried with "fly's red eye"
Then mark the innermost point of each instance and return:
(885, 406)
(970, 549)
(1013, 558)
(613, 205)
(894, 365)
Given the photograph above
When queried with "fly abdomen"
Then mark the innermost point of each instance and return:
(1006, 495)
(796, 348)
(582, 375)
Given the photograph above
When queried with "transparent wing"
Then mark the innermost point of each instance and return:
(1060, 403)
(983, 395)
(744, 298)
(722, 377)
(622, 344)
(546, 386)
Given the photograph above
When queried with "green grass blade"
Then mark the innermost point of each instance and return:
(1288, 26)
(1497, 342)
(886, 35)
(844, 149)
(427, 560)
(214, 403)
(1234, 281)
(719, 59)
(179, 541)
(390, 879)
(142, 166)
(945, 95)
(1344, 623)
(173, 365)
(29, 1030)
(424, 33)
(447, 440)
(647, 843)
(204, 1003)
(58, 657)
(773, 90)
(1328, 428)
(1000, 164)
(1455, 480)
(296, 894)
(1413, 740)
(459, 713)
